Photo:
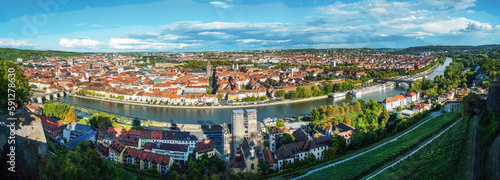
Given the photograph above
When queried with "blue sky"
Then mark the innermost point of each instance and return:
(227, 25)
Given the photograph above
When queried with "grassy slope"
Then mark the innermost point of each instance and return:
(364, 164)
(444, 158)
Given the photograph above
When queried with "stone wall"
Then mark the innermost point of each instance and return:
(31, 147)
(493, 101)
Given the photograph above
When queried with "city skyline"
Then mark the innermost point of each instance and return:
(179, 26)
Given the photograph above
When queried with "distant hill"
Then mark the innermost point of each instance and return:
(388, 49)
(12, 54)
(450, 48)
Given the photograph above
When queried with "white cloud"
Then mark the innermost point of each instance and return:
(80, 24)
(437, 26)
(169, 37)
(220, 4)
(136, 44)
(9, 42)
(419, 33)
(335, 9)
(250, 40)
(379, 10)
(79, 43)
(221, 35)
(449, 4)
(477, 26)
(97, 26)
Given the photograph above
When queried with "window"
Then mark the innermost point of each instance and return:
(252, 166)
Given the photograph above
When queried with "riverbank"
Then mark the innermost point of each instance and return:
(204, 107)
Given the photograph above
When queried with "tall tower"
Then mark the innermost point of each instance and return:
(251, 120)
(57, 68)
(238, 127)
(209, 69)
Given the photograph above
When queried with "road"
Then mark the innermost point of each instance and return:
(474, 156)
(413, 152)
(434, 114)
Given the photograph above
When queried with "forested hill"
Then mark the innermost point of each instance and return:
(450, 48)
(12, 54)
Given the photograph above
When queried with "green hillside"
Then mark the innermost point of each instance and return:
(12, 54)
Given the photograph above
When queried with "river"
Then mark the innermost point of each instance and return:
(440, 69)
(219, 116)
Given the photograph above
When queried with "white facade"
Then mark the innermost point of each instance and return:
(178, 156)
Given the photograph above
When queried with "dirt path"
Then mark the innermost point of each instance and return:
(495, 158)
(474, 151)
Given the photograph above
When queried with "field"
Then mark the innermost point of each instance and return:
(437, 160)
(372, 160)
(13, 54)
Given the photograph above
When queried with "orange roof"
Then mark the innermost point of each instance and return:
(391, 99)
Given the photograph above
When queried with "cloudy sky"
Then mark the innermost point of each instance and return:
(225, 25)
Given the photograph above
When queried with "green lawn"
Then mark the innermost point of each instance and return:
(437, 160)
(368, 162)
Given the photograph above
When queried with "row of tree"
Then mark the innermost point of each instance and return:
(315, 91)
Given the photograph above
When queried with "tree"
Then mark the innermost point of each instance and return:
(281, 94)
(412, 104)
(55, 110)
(264, 168)
(329, 111)
(219, 96)
(316, 91)
(323, 117)
(136, 122)
(347, 120)
(330, 153)
(12, 79)
(173, 175)
(315, 114)
(280, 123)
(469, 103)
(102, 121)
(287, 139)
(384, 117)
(341, 111)
(399, 108)
(71, 116)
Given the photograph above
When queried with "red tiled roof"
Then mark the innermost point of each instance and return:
(420, 106)
(203, 146)
(391, 99)
(269, 157)
(46, 121)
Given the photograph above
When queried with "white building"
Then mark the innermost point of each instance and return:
(74, 133)
(300, 150)
(275, 135)
(394, 102)
(178, 152)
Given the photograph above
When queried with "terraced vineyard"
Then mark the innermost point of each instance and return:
(437, 160)
(372, 160)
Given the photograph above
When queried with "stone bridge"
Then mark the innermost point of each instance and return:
(403, 79)
(395, 80)
(40, 98)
